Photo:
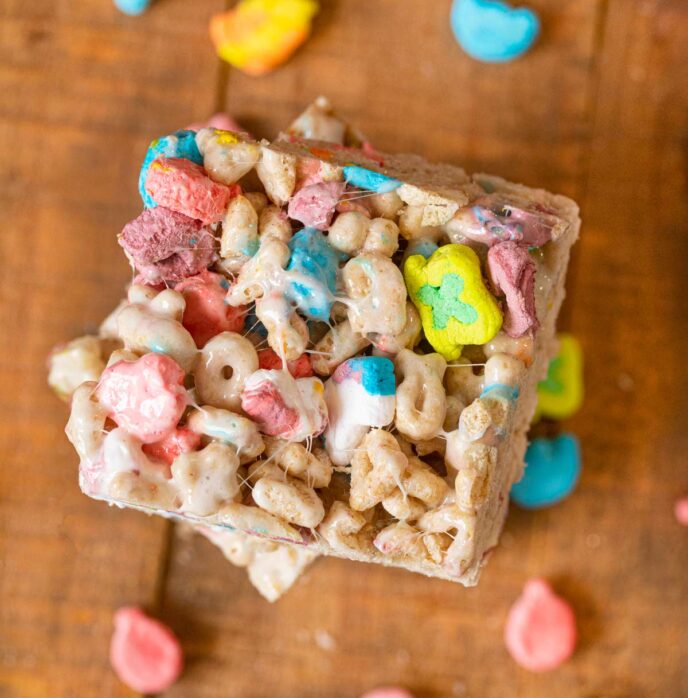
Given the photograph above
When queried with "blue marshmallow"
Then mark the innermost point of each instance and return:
(370, 180)
(492, 31)
(553, 467)
(132, 7)
(313, 265)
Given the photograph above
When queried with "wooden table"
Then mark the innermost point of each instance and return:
(596, 111)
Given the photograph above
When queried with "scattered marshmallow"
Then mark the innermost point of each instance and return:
(314, 205)
(256, 36)
(681, 511)
(144, 653)
(540, 631)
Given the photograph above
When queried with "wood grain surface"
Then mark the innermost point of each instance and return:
(598, 110)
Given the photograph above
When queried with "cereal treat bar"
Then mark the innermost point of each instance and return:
(329, 347)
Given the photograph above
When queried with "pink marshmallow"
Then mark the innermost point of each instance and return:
(513, 272)
(144, 653)
(314, 205)
(166, 246)
(183, 186)
(387, 692)
(206, 313)
(540, 631)
(681, 511)
(179, 441)
(145, 397)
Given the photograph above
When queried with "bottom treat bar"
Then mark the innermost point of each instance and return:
(424, 299)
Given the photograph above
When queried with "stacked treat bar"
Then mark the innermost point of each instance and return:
(325, 350)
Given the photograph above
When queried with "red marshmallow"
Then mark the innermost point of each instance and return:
(179, 441)
(299, 368)
(206, 313)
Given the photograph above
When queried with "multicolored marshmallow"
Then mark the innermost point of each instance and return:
(181, 144)
(454, 305)
(144, 653)
(258, 35)
(359, 395)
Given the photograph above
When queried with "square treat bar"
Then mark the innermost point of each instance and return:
(272, 567)
(391, 278)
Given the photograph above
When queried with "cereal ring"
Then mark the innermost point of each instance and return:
(421, 401)
(376, 288)
(230, 428)
(376, 470)
(239, 239)
(153, 325)
(206, 479)
(73, 364)
(289, 499)
(287, 330)
(277, 172)
(222, 368)
(339, 344)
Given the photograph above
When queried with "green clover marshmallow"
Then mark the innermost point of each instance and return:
(455, 306)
